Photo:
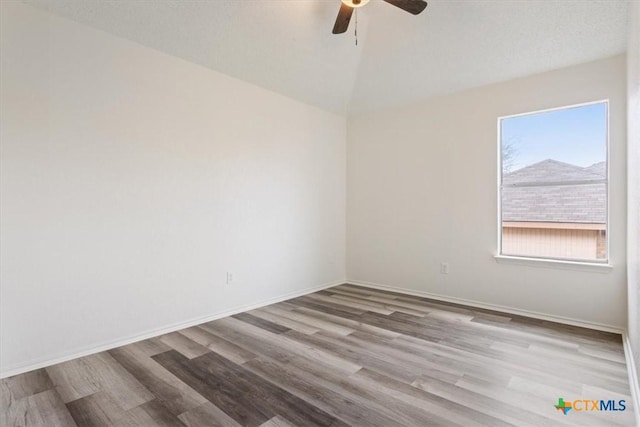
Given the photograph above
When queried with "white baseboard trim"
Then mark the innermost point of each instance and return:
(44, 362)
(495, 307)
(633, 376)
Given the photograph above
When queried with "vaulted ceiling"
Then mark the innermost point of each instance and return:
(287, 46)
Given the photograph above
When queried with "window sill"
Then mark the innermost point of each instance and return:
(554, 263)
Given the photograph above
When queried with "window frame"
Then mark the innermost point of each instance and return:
(583, 264)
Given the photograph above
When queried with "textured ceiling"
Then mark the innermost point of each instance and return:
(287, 46)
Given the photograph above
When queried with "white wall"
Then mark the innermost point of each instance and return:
(132, 181)
(633, 87)
(421, 188)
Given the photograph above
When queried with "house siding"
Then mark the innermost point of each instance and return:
(554, 242)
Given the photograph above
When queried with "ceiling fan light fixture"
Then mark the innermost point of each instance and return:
(355, 3)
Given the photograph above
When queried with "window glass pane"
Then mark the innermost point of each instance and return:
(563, 221)
(575, 136)
(554, 184)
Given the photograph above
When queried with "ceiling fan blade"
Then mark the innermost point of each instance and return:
(343, 18)
(412, 6)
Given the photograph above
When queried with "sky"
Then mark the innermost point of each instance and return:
(576, 135)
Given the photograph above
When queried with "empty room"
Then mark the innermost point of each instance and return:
(277, 213)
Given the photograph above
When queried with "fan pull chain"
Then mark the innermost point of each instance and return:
(356, 32)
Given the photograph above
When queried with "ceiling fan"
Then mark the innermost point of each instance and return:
(347, 6)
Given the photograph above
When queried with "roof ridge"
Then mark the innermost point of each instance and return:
(558, 162)
(585, 169)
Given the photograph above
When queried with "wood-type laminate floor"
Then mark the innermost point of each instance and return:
(343, 356)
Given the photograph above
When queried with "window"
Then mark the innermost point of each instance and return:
(554, 183)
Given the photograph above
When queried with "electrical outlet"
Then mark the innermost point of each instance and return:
(444, 268)
(230, 277)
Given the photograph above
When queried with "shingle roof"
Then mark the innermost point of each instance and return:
(585, 203)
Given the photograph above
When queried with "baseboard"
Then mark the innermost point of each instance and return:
(633, 376)
(495, 307)
(44, 362)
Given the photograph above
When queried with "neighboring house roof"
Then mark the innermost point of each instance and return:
(598, 168)
(584, 203)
